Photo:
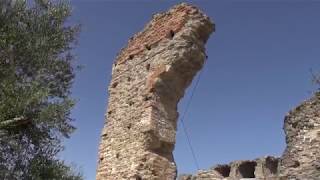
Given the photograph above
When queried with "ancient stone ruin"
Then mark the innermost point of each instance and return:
(300, 160)
(261, 168)
(149, 78)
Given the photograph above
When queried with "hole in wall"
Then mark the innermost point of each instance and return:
(130, 103)
(296, 164)
(171, 34)
(148, 67)
(247, 168)
(295, 124)
(114, 85)
(148, 47)
(272, 165)
(147, 98)
(224, 170)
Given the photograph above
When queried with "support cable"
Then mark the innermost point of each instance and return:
(184, 125)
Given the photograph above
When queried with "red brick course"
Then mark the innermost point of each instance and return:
(162, 27)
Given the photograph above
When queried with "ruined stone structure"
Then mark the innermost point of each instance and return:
(300, 160)
(262, 168)
(149, 77)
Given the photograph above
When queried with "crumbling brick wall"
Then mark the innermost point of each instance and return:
(149, 77)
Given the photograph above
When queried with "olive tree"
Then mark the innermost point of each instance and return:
(36, 73)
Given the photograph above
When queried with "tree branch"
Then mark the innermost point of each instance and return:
(17, 121)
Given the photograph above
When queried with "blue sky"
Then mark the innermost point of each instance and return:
(258, 69)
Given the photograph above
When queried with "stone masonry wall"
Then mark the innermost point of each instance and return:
(301, 159)
(149, 77)
(262, 168)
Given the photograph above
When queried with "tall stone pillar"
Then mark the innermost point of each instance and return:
(149, 78)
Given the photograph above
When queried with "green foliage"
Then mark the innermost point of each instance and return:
(36, 74)
(42, 168)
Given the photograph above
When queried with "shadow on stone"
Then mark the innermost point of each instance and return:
(224, 170)
(247, 168)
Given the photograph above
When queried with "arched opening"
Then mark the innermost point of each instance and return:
(223, 170)
(247, 168)
(272, 165)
